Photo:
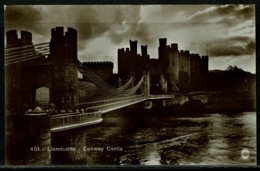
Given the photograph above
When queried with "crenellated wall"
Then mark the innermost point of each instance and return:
(181, 70)
(103, 70)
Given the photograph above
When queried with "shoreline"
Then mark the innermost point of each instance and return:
(217, 102)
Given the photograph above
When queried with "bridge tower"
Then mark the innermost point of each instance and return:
(63, 53)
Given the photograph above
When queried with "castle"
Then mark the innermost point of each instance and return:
(174, 70)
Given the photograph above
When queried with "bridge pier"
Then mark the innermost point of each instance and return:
(68, 146)
(39, 129)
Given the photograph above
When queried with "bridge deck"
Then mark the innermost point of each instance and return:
(93, 111)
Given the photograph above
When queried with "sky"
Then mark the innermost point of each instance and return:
(224, 32)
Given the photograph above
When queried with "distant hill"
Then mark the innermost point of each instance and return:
(232, 79)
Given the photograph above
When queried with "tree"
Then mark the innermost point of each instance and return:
(234, 68)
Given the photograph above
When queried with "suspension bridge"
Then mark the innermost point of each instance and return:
(44, 97)
(106, 98)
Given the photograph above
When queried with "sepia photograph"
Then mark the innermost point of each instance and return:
(130, 85)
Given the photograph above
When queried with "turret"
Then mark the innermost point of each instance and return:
(144, 50)
(133, 47)
(163, 42)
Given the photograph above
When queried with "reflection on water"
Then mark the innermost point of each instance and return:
(157, 138)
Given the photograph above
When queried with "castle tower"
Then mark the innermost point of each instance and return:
(13, 73)
(184, 69)
(63, 54)
(133, 47)
(162, 53)
(163, 42)
(121, 62)
(203, 70)
(168, 63)
(173, 67)
(144, 50)
(195, 71)
(11, 38)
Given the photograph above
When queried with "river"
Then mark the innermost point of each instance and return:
(160, 137)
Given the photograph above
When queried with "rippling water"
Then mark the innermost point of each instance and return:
(165, 138)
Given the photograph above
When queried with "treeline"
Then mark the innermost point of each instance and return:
(232, 79)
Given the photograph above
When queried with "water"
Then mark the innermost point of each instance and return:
(139, 137)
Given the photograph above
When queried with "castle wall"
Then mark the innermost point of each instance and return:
(163, 63)
(103, 70)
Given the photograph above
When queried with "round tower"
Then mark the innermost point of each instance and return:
(63, 54)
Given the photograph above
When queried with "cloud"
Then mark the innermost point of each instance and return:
(224, 14)
(23, 17)
(229, 29)
(235, 46)
(91, 21)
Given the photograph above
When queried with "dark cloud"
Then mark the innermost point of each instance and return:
(225, 14)
(116, 22)
(21, 14)
(122, 22)
(235, 46)
(23, 17)
(91, 21)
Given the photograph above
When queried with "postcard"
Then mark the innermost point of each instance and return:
(130, 85)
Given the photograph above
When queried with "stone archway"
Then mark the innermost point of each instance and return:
(42, 97)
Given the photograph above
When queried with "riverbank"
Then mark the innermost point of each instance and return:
(217, 102)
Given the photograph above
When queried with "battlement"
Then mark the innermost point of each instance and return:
(121, 50)
(103, 69)
(184, 53)
(163, 42)
(205, 58)
(97, 63)
(144, 50)
(59, 32)
(195, 55)
(133, 46)
(174, 46)
(63, 46)
(13, 40)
